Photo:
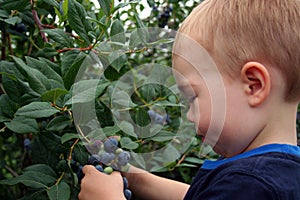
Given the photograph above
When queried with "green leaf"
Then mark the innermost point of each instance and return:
(127, 143)
(163, 136)
(52, 3)
(58, 123)
(141, 117)
(10, 5)
(52, 142)
(3, 14)
(69, 136)
(122, 5)
(53, 95)
(106, 6)
(117, 59)
(44, 68)
(135, 39)
(170, 153)
(12, 20)
(138, 159)
(187, 165)
(71, 64)
(37, 80)
(23, 125)
(77, 20)
(60, 36)
(127, 128)
(161, 41)
(80, 154)
(87, 91)
(117, 32)
(35, 195)
(37, 110)
(59, 191)
(11, 76)
(15, 89)
(7, 107)
(31, 179)
(194, 160)
(46, 169)
(53, 65)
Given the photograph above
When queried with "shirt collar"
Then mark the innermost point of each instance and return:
(279, 148)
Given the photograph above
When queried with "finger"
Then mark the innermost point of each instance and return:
(115, 173)
(89, 169)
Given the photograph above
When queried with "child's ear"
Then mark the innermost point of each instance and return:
(257, 83)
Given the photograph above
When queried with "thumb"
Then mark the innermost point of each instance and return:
(115, 173)
(89, 169)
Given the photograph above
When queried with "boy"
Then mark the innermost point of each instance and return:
(255, 46)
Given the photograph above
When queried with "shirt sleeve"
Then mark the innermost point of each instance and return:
(237, 186)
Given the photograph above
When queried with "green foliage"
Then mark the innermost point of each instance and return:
(51, 79)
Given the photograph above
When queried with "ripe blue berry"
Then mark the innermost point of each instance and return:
(127, 194)
(151, 113)
(79, 174)
(94, 159)
(27, 144)
(107, 158)
(111, 145)
(125, 183)
(99, 168)
(94, 147)
(123, 158)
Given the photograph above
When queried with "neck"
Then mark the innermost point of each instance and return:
(281, 128)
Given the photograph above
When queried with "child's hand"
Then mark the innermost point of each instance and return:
(96, 185)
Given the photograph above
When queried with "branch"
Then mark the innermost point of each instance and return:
(3, 46)
(40, 25)
(11, 170)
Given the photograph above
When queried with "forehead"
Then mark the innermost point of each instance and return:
(189, 52)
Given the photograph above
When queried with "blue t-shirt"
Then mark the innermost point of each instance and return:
(268, 172)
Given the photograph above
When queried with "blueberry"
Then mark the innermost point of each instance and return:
(99, 168)
(127, 194)
(94, 159)
(21, 28)
(111, 145)
(116, 166)
(107, 158)
(27, 144)
(151, 113)
(125, 183)
(123, 158)
(94, 147)
(79, 173)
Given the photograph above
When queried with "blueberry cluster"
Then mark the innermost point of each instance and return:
(110, 158)
(163, 17)
(157, 118)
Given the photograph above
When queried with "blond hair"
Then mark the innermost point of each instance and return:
(237, 31)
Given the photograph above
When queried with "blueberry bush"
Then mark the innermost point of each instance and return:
(86, 82)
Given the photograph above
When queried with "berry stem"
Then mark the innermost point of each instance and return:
(71, 150)
(60, 178)
(82, 134)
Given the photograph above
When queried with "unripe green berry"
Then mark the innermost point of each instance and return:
(125, 168)
(118, 151)
(108, 170)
